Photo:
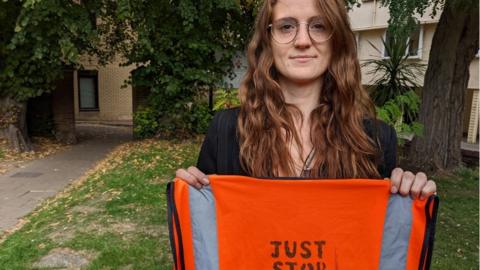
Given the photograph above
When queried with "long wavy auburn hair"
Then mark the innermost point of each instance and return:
(266, 122)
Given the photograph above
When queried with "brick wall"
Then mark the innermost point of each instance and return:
(115, 102)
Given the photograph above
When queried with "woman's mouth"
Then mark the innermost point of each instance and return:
(302, 58)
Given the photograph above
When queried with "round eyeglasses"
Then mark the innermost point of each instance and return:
(285, 31)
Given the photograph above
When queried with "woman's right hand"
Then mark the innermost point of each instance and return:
(193, 176)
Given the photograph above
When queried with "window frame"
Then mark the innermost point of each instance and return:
(357, 39)
(420, 45)
(88, 74)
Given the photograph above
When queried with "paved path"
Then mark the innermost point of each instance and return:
(22, 189)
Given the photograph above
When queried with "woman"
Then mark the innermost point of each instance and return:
(303, 110)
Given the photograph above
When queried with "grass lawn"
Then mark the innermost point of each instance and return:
(456, 245)
(116, 216)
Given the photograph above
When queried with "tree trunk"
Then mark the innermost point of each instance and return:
(454, 46)
(13, 124)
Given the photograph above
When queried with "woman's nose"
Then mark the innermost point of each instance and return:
(303, 38)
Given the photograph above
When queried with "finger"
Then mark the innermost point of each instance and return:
(406, 184)
(396, 179)
(418, 183)
(189, 178)
(429, 189)
(201, 177)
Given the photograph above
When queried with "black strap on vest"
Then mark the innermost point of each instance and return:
(431, 209)
(172, 216)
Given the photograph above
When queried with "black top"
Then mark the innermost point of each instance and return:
(220, 152)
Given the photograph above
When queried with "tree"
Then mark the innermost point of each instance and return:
(182, 49)
(454, 46)
(38, 39)
(10, 124)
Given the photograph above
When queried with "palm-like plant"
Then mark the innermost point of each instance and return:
(394, 84)
(393, 75)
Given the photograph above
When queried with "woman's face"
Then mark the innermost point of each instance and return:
(302, 61)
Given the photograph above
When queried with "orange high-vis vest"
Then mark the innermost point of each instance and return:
(240, 222)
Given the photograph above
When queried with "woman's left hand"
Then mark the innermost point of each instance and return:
(415, 185)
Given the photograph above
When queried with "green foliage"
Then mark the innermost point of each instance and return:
(38, 41)
(149, 121)
(146, 122)
(393, 113)
(183, 49)
(402, 21)
(393, 75)
(200, 117)
(394, 85)
(226, 98)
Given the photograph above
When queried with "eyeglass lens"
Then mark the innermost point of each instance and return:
(285, 30)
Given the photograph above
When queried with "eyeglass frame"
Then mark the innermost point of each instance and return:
(270, 26)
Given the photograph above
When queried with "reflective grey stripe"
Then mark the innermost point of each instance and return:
(204, 228)
(396, 233)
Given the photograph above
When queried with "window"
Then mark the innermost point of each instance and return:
(414, 45)
(88, 90)
(415, 42)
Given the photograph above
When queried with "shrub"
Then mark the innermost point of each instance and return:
(200, 117)
(226, 98)
(145, 122)
(393, 112)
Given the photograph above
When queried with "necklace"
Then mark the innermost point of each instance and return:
(306, 164)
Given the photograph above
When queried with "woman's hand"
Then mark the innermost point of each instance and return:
(415, 185)
(193, 176)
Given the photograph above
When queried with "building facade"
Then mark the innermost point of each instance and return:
(370, 22)
(101, 94)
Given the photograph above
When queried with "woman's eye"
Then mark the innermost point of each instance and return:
(317, 27)
(287, 27)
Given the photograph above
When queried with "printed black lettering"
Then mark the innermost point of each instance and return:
(308, 266)
(320, 245)
(302, 258)
(277, 265)
(291, 265)
(305, 245)
(276, 251)
(291, 252)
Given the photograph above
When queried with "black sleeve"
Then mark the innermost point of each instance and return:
(207, 159)
(220, 150)
(389, 146)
